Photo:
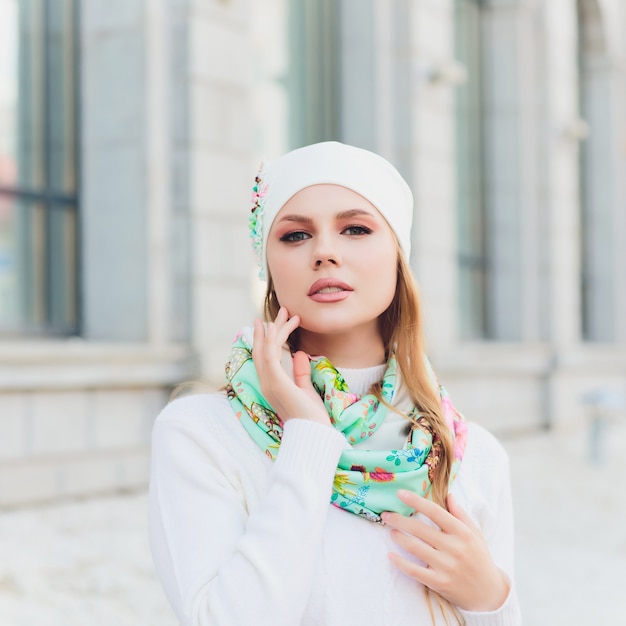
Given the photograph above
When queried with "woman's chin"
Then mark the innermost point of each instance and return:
(322, 328)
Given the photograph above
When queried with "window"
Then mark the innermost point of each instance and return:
(38, 167)
(473, 273)
(598, 294)
(313, 78)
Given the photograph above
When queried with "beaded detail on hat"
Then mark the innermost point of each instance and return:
(255, 220)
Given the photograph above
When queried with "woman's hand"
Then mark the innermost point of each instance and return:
(458, 565)
(289, 398)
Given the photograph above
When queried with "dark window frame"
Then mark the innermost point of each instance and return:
(46, 196)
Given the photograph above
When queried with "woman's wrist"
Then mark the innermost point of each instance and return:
(495, 599)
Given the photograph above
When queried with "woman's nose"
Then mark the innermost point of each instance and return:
(326, 252)
(320, 262)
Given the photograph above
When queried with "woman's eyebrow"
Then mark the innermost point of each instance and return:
(305, 219)
(354, 213)
(296, 218)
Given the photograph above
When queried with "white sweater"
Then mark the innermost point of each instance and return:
(240, 540)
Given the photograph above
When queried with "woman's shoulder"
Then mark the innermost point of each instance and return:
(482, 442)
(204, 423)
(483, 483)
(485, 457)
(188, 407)
(197, 413)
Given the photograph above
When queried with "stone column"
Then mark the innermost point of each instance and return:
(433, 170)
(219, 148)
(562, 174)
(562, 197)
(114, 215)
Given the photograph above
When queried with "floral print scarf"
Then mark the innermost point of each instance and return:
(366, 481)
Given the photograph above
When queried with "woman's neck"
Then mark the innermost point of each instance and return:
(353, 349)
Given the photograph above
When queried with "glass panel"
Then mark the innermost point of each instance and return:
(597, 186)
(31, 101)
(25, 47)
(61, 88)
(62, 268)
(270, 87)
(37, 158)
(313, 72)
(9, 301)
(9, 71)
(22, 266)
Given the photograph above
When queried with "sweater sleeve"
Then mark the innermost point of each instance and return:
(219, 563)
(498, 532)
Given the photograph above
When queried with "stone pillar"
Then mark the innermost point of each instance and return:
(614, 23)
(375, 105)
(562, 175)
(219, 148)
(433, 171)
(114, 215)
(158, 167)
(560, 194)
(619, 151)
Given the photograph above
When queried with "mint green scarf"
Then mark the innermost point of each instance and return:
(366, 481)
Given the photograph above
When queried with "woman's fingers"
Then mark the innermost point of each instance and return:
(269, 339)
(282, 316)
(302, 370)
(285, 325)
(450, 556)
(415, 545)
(442, 518)
(415, 527)
(289, 398)
(416, 571)
(258, 345)
(276, 333)
(459, 512)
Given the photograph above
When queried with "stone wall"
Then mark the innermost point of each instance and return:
(174, 120)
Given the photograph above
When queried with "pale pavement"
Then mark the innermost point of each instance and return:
(88, 562)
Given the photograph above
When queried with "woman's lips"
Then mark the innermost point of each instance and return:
(329, 290)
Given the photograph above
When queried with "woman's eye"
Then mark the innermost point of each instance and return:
(295, 236)
(357, 230)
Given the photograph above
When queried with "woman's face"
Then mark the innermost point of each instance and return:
(333, 260)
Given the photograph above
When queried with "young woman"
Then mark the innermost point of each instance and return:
(332, 482)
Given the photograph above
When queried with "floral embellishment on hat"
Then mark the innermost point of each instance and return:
(255, 220)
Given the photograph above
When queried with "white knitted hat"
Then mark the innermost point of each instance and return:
(330, 162)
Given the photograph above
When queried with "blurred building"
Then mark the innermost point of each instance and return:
(130, 131)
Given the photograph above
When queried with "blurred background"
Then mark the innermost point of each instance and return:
(130, 133)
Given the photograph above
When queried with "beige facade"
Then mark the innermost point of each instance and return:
(180, 101)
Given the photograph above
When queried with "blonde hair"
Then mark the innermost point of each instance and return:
(401, 330)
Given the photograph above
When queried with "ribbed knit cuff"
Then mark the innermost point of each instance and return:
(507, 615)
(310, 449)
